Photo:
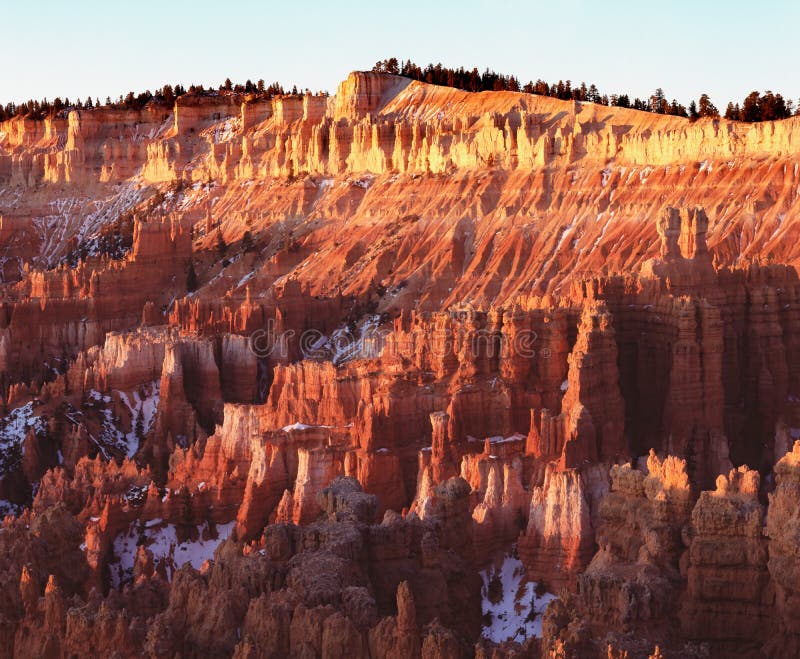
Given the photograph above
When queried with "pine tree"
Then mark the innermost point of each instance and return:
(222, 246)
(247, 242)
(676, 109)
(658, 102)
(706, 108)
(191, 278)
(751, 108)
(391, 65)
(169, 94)
(623, 101)
(139, 425)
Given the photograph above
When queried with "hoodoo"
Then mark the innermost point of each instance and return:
(407, 371)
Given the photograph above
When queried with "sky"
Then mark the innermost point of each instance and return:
(90, 47)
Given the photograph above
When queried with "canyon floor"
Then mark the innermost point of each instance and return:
(405, 371)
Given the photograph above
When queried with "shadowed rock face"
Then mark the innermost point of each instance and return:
(340, 353)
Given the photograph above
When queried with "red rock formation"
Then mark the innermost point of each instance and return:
(558, 541)
(591, 424)
(316, 468)
(57, 313)
(398, 285)
(503, 504)
(443, 461)
(727, 596)
(782, 528)
(398, 637)
(633, 584)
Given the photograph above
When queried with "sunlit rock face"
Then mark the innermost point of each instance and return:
(385, 367)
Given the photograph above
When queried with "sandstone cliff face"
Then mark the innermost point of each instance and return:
(633, 583)
(558, 541)
(580, 175)
(590, 427)
(340, 352)
(673, 568)
(727, 592)
(782, 565)
(53, 314)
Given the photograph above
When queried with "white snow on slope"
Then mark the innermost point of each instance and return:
(510, 602)
(568, 231)
(343, 345)
(9, 508)
(14, 427)
(72, 217)
(225, 130)
(145, 404)
(297, 426)
(304, 426)
(162, 540)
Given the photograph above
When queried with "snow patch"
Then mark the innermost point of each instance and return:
(246, 278)
(344, 343)
(296, 426)
(81, 219)
(143, 402)
(14, 427)
(565, 233)
(511, 609)
(495, 439)
(162, 540)
(223, 132)
(9, 508)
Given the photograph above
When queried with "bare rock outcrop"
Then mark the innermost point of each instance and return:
(729, 597)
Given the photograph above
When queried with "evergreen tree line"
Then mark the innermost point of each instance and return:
(166, 95)
(756, 107)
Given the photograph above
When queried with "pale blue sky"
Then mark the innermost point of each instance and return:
(86, 47)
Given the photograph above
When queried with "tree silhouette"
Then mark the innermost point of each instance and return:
(705, 108)
(191, 278)
(732, 112)
(222, 246)
(139, 425)
(247, 242)
(756, 107)
(750, 107)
